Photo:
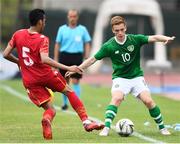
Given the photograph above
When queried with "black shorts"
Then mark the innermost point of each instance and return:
(70, 59)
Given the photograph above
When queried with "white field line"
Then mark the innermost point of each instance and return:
(26, 99)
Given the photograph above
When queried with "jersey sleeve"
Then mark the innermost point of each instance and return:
(142, 39)
(59, 35)
(103, 52)
(86, 36)
(12, 42)
(44, 48)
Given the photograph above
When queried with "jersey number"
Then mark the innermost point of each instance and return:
(27, 60)
(126, 57)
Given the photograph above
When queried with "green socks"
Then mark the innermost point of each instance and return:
(111, 112)
(156, 114)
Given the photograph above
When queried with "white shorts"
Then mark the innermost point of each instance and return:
(134, 86)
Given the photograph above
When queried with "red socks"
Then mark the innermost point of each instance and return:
(49, 114)
(77, 105)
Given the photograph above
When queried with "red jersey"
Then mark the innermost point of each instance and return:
(29, 46)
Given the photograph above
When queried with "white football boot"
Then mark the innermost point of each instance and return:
(165, 131)
(104, 132)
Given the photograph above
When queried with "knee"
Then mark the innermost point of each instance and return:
(117, 100)
(67, 90)
(51, 111)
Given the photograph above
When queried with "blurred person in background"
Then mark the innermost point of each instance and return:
(37, 75)
(71, 47)
(128, 77)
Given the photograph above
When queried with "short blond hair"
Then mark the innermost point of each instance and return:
(117, 20)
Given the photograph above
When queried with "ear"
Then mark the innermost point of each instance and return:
(40, 22)
(125, 28)
(112, 30)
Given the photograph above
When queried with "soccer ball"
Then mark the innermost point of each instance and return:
(124, 127)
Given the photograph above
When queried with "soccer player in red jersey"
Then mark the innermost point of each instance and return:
(37, 75)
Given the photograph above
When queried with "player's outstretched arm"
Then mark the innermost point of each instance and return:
(88, 62)
(47, 60)
(161, 38)
(7, 55)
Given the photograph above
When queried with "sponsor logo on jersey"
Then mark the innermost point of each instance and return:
(130, 48)
(117, 52)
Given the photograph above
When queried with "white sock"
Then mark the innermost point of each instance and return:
(87, 121)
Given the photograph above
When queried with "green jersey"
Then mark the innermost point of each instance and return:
(125, 57)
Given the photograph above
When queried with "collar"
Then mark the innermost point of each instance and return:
(121, 43)
(32, 32)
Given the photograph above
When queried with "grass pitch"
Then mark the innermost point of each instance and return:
(20, 120)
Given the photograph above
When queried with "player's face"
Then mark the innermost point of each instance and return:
(119, 31)
(72, 17)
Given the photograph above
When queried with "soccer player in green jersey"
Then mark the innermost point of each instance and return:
(124, 51)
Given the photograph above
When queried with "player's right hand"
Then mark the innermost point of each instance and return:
(76, 69)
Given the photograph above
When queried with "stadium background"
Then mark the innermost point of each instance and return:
(14, 16)
(17, 114)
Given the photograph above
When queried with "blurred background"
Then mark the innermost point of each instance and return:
(162, 78)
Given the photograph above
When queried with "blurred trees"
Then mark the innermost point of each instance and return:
(10, 11)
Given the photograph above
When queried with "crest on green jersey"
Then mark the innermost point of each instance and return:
(117, 52)
(130, 48)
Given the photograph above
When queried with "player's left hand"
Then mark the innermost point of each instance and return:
(68, 74)
(169, 39)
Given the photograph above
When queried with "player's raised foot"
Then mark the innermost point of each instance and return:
(92, 125)
(46, 126)
(165, 131)
(104, 132)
